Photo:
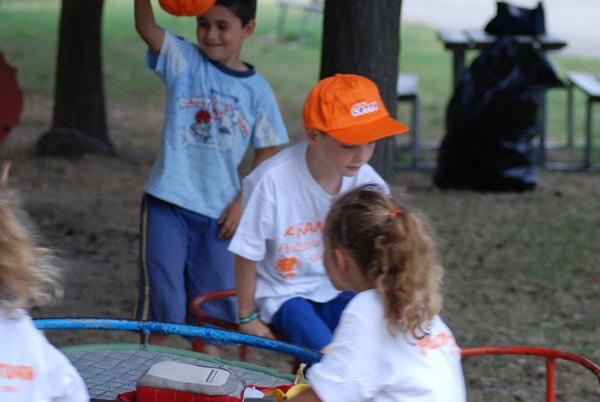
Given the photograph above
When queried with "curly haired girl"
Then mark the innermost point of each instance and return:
(31, 368)
(391, 343)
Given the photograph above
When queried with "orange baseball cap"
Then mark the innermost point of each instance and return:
(349, 108)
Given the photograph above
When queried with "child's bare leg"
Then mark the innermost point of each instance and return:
(159, 339)
(211, 350)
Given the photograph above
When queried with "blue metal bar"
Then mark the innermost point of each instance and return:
(147, 327)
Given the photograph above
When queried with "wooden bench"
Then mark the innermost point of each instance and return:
(589, 84)
(307, 7)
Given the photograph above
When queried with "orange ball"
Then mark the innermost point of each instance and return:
(186, 7)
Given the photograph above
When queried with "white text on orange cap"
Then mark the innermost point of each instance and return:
(364, 108)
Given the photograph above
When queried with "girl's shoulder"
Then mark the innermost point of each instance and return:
(366, 303)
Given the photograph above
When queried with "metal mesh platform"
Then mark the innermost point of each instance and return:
(111, 369)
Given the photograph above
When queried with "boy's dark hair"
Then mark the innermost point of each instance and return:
(244, 9)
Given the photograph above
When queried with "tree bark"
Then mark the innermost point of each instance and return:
(363, 37)
(79, 118)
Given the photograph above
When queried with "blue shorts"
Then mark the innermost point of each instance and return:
(181, 257)
(308, 323)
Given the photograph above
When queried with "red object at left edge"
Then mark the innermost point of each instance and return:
(11, 98)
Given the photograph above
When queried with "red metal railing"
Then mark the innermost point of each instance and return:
(549, 354)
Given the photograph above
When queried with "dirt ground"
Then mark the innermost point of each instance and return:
(88, 210)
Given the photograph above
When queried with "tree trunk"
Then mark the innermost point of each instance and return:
(363, 37)
(79, 119)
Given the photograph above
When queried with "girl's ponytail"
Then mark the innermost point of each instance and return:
(392, 246)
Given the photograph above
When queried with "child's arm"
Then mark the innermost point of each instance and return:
(4, 173)
(230, 218)
(262, 154)
(146, 25)
(245, 283)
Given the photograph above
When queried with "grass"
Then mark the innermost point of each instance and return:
(520, 268)
(31, 33)
(30, 30)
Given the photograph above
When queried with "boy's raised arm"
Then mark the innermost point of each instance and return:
(145, 24)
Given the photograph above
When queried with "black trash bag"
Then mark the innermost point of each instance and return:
(492, 118)
(514, 20)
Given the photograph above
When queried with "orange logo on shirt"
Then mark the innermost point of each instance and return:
(16, 372)
(286, 266)
(441, 340)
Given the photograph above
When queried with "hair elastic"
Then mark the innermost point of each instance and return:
(394, 212)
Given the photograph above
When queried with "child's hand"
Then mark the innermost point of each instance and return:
(230, 218)
(257, 328)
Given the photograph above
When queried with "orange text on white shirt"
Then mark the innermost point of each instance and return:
(304, 228)
(437, 341)
(16, 372)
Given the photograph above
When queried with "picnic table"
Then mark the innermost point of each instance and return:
(459, 41)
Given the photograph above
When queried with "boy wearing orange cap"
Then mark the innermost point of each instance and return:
(280, 278)
(216, 107)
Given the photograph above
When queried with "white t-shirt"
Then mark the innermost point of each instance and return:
(366, 363)
(31, 369)
(282, 226)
